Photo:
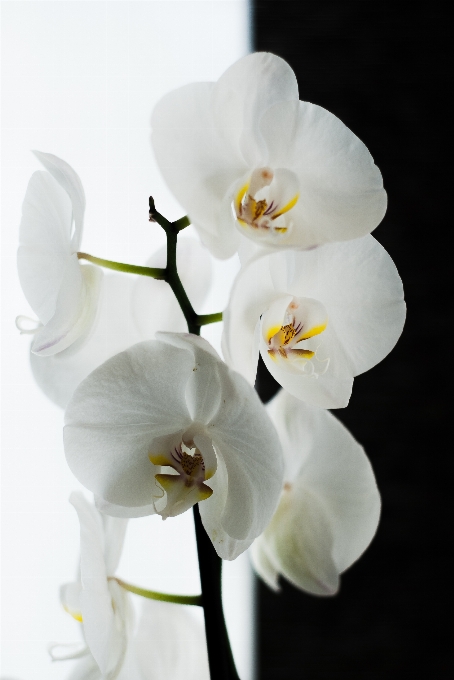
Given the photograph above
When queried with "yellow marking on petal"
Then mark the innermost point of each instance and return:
(303, 353)
(205, 492)
(272, 354)
(166, 481)
(316, 330)
(76, 615)
(209, 473)
(271, 332)
(242, 222)
(240, 195)
(287, 207)
(159, 459)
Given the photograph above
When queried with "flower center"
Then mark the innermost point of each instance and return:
(304, 318)
(187, 486)
(261, 204)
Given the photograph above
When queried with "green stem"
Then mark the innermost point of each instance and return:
(154, 272)
(204, 319)
(162, 597)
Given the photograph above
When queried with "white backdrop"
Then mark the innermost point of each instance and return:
(79, 79)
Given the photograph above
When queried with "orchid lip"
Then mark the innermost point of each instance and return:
(286, 340)
(257, 208)
(187, 487)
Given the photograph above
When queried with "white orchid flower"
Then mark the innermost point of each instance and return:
(130, 310)
(166, 424)
(62, 292)
(330, 505)
(244, 156)
(97, 599)
(318, 317)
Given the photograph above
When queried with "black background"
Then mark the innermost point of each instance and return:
(382, 69)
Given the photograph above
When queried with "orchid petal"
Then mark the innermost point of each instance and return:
(117, 412)
(244, 92)
(330, 506)
(44, 250)
(75, 309)
(184, 138)
(359, 285)
(114, 331)
(69, 180)
(170, 643)
(105, 628)
(246, 441)
(264, 566)
(247, 302)
(341, 189)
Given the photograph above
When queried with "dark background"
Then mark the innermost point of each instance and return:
(382, 69)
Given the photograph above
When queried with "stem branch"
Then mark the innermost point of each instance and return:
(162, 597)
(154, 272)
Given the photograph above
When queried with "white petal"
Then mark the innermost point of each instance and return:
(69, 180)
(194, 159)
(252, 293)
(300, 538)
(245, 439)
(44, 233)
(341, 189)
(325, 460)
(75, 309)
(117, 412)
(263, 565)
(70, 598)
(359, 285)
(114, 331)
(170, 643)
(211, 512)
(121, 511)
(245, 92)
(114, 536)
(329, 389)
(105, 628)
(86, 669)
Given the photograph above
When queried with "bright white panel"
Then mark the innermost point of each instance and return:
(79, 79)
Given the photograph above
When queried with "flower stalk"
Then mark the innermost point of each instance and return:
(195, 600)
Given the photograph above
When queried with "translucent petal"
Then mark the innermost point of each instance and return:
(323, 459)
(69, 180)
(44, 250)
(300, 537)
(105, 623)
(263, 565)
(114, 331)
(75, 309)
(170, 643)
